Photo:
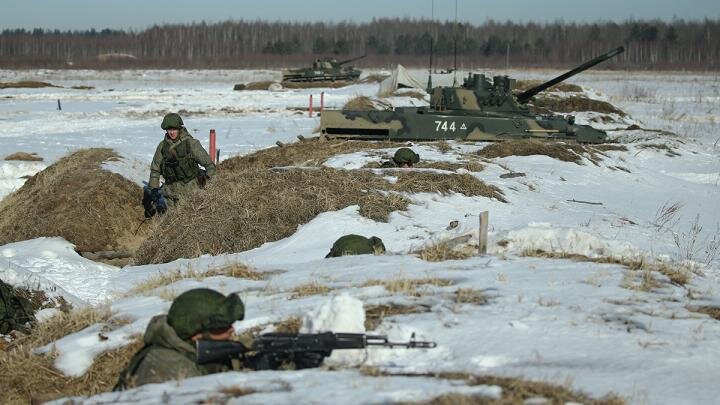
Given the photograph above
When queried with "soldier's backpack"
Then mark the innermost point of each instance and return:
(16, 312)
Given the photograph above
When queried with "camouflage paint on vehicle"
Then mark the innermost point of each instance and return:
(327, 69)
(480, 110)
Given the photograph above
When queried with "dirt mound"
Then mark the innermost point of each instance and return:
(27, 84)
(28, 157)
(573, 104)
(242, 208)
(311, 152)
(373, 78)
(523, 85)
(567, 152)
(312, 85)
(78, 200)
(264, 85)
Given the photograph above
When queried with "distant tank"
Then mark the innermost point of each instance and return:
(326, 69)
(480, 110)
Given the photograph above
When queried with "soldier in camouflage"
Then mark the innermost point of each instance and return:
(177, 159)
(170, 341)
(356, 245)
(404, 157)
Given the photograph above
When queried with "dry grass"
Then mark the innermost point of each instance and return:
(470, 296)
(677, 273)
(470, 166)
(244, 206)
(408, 286)
(290, 325)
(374, 314)
(236, 270)
(713, 312)
(26, 84)
(74, 198)
(573, 104)
(514, 390)
(27, 375)
(309, 153)
(522, 85)
(308, 289)
(365, 103)
(566, 152)
(661, 147)
(24, 156)
(373, 78)
(446, 250)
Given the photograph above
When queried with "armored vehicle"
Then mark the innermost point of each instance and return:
(479, 110)
(327, 69)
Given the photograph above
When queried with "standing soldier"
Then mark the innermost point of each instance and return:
(177, 159)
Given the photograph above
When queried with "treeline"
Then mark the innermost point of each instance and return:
(243, 44)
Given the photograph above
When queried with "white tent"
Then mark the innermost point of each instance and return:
(400, 78)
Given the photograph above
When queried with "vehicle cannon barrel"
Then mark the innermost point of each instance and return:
(351, 59)
(525, 96)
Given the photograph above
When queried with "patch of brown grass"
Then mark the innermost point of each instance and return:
(677, 273)
(82, 87)
(446, 250)
(373, 78)
(308, 289)
(574, 104)
(236, 270)
(514, 390)
(244, 207)
(27, 375)
(24, 156)
(374, 314)
(25, 84)
(290, 325)
(661, 147)
(566, 152)
(713, 312)
(408, 286)
(363, 103)
(470, 296)
(75, 198)
(470, 166)
(311, 153)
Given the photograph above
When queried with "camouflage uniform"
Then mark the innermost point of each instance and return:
(16, 312)
(177, 161)
(169, 351)
(356, 245)
(403, 156)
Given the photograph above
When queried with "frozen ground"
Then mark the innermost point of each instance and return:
(589, 325)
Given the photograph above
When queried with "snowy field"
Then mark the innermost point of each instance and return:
(591, 326)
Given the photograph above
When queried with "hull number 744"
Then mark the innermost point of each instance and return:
(443, 126)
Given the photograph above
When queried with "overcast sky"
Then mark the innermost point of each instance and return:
(139, 14)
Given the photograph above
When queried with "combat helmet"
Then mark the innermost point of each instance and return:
(204, 310)
(405, 156)
(171, 120)
(356, 245)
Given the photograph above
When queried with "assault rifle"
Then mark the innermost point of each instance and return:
(288, 345)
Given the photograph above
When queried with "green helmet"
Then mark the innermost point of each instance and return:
(171, 120)
(356, 245)
(405, 156)
(203, 310)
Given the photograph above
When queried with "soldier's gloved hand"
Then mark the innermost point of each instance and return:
(149, 212)
(156, 194)
(309, 359)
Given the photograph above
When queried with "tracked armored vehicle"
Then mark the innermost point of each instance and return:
(326, 69)
(479, 110)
